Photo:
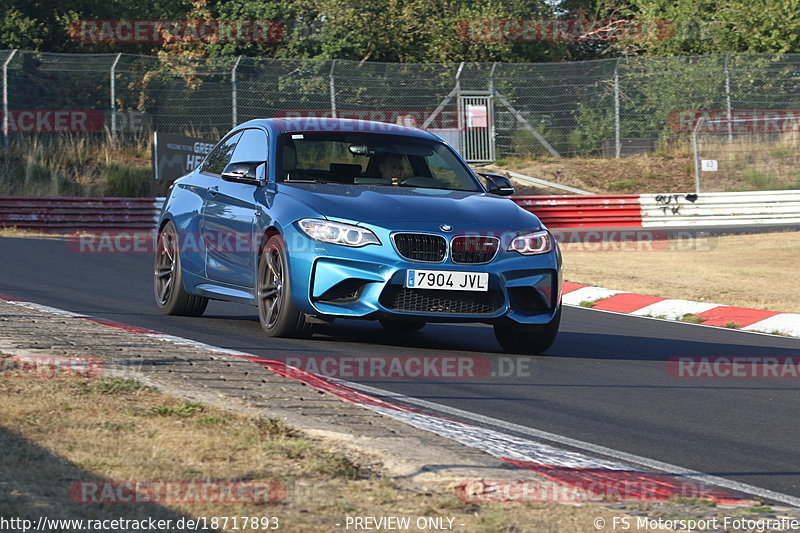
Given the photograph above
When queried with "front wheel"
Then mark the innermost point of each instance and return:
(168, 289)
(277, 313)
(528, 339)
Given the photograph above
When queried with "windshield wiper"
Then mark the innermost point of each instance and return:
(306, 180)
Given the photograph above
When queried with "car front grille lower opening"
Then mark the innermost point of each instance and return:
(438, 302)
(527, 300)
(423, 247)
(467, 249)
(345, 291)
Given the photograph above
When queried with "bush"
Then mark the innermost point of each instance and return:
(124, 180)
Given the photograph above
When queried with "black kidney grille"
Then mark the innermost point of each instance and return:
(432, 301)
(473, 249)
(421, 246)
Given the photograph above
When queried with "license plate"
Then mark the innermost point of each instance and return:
(447, 280)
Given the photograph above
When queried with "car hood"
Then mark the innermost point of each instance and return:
(379, 204)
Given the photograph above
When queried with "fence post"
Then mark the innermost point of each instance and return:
(492, 130)
(696, 157)
(446, 100)
(617, 141)
(113, 87)
(5, 96)
(332, 89)
(728, 99)
(234, 96)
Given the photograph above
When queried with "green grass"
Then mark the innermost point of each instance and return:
(211, 420)
(183, 410)
(693, 501)
(590, 303)
(694, 319)
(782, 152)
(113, 385)
(124, 180)
(630, 184)
(764, 181)
(116, 426)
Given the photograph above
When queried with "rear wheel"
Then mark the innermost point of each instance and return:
(402, 325)
(168, 289)
(528, 339)
(277, 313)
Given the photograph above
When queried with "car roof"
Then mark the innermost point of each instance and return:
(316, 124)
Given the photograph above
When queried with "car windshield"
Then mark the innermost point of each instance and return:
(376, 159)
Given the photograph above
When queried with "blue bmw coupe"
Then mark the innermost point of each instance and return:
(316, 219)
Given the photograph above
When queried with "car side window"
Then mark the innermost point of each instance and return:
(252, 146)
(221, 156)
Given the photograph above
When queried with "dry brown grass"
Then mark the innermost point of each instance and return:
(57, 431)
(75, 165)
(648, 173)
(750, 163)
(28, 234)
(757, 271)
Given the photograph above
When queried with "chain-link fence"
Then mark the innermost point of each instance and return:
(605, 108)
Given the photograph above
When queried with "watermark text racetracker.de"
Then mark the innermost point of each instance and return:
(51, 367)
(135, 525)
(52, 120)
(199, 242)
(734, 121)
(171, 492)
(734, 367)
(579, 491)
(439, 367)
(633, 240)
(577, 30)
(157, 31)
(21, 365)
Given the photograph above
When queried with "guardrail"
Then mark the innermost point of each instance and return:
(666, 210)
(596, 211)
(64, 215)
(720, 208)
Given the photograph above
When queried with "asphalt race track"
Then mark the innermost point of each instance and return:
(605, 380)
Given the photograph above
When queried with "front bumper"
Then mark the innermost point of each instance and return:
(367, 282)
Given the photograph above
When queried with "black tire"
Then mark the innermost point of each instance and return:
(277, 312)
(402, 325)
(528, 340)
(171, 298)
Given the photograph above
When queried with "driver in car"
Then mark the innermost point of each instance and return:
(392, 167)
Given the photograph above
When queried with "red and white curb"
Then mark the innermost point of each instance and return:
(621, 476)
(708, 314)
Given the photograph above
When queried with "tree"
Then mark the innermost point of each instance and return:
(691, 27)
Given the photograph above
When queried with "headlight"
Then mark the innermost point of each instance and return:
(337, 232)
(538, 242)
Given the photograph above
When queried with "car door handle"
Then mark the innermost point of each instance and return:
(213, 190)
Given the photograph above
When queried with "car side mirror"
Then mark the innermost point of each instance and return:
(497, 184)
(246, 172)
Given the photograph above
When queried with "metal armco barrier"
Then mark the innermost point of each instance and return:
(720, 208)
(64, 214)
(596, 211)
